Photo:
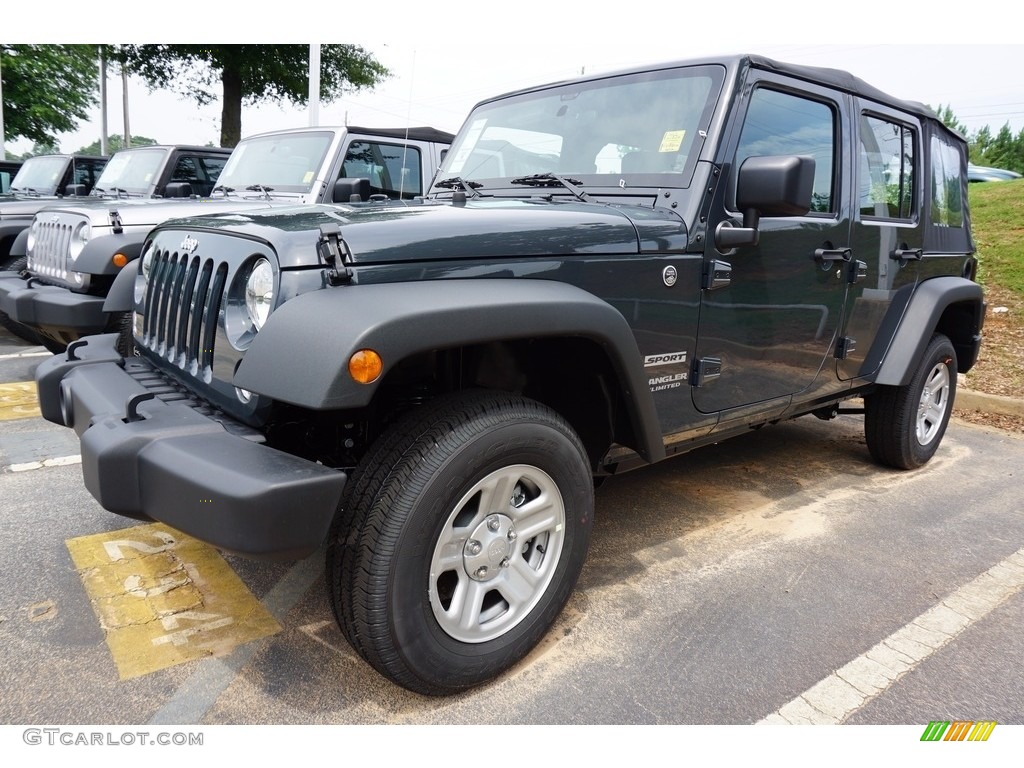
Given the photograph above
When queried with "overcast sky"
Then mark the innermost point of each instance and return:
(447, 56)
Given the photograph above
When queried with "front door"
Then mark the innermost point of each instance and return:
(767, 332)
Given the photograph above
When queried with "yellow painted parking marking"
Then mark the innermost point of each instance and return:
(163, 598)
(18, 400)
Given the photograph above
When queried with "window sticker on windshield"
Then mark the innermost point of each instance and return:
(671, 141)
(466, 149)
(307, 177)
(149, 177)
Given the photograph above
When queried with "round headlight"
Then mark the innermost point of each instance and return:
(33, 232)
(79, 237)
(145, 268)
(259, 292)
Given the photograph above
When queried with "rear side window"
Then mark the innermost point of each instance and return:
(780, 123)
(888, 169)
(946, 185)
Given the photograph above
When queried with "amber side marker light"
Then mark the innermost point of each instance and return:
(120, 260)
(365, 366)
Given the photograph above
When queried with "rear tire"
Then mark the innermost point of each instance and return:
(459, 539)
(905, 424)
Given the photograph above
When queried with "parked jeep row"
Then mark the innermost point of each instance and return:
(73, 252)
(605, 272)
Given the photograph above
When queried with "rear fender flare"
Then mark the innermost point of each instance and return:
(921, 318)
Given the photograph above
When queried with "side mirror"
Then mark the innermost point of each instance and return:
(777, 185)
(351, 191)
(178, 189)
(76, 190)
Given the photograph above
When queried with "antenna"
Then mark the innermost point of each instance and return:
(408, 118)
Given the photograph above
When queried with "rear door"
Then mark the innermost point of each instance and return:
(887, 235)
(766, 333)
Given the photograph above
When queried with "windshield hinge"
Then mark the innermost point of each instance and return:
(333, 249)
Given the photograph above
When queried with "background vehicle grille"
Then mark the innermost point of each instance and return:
(183, 299)
(49, 255)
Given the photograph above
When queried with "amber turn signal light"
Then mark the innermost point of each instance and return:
(120, 260)
(365, 366)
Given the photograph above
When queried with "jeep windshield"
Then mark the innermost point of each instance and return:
(130, 173)
(637, 130)
(283, 163)
(40, 175)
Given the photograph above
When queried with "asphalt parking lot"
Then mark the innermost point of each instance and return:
(780, 577)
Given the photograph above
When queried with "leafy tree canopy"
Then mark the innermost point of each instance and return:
(47, 89)
(116, 142)
(249, 74)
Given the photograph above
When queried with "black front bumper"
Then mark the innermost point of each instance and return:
(148, 458)
(50, 306)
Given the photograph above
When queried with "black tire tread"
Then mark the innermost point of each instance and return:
(890, 412)
(372, 513)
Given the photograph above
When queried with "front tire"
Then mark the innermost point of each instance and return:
(904, 425)
(18, 264)
(459, 540)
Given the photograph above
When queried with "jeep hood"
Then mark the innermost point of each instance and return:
(483, 229)
(148, 212)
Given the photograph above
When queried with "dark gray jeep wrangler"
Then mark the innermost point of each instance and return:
(605, 272)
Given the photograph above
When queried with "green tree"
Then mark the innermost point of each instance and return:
(946, 115)
(47, 89)
(249, 74)
(114, 143)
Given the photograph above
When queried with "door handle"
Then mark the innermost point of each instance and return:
(829, 255)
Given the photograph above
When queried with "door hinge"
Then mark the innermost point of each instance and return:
(844, 347)
(705, 369)
(717, 274)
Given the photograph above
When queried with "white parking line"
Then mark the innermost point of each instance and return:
(852, 686)
(60, 461)
(32, 352)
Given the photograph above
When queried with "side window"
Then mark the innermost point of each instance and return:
(212, 166)
(393, 169)
(887, 168)
(200, 172)
(946, 183)
(185, 170)
(779, 123)
(86, 172)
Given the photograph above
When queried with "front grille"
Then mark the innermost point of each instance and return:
(173, 393)
(183, 300)
(49, 255)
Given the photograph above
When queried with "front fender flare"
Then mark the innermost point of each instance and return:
(121, 296)
(301, 355)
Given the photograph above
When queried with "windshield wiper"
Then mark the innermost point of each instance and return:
(222, 188)
(457, 181)
(260, 188)
(25, 190)
(553, 180)
(114, 191)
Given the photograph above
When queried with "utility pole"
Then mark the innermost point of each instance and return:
(314, 86)
(124, 90)
(104, 149)
(3, 152)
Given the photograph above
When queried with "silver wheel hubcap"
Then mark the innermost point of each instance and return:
(934, 403)
(497, 553)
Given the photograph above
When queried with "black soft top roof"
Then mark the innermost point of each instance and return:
(421, 133)
(842, 80)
